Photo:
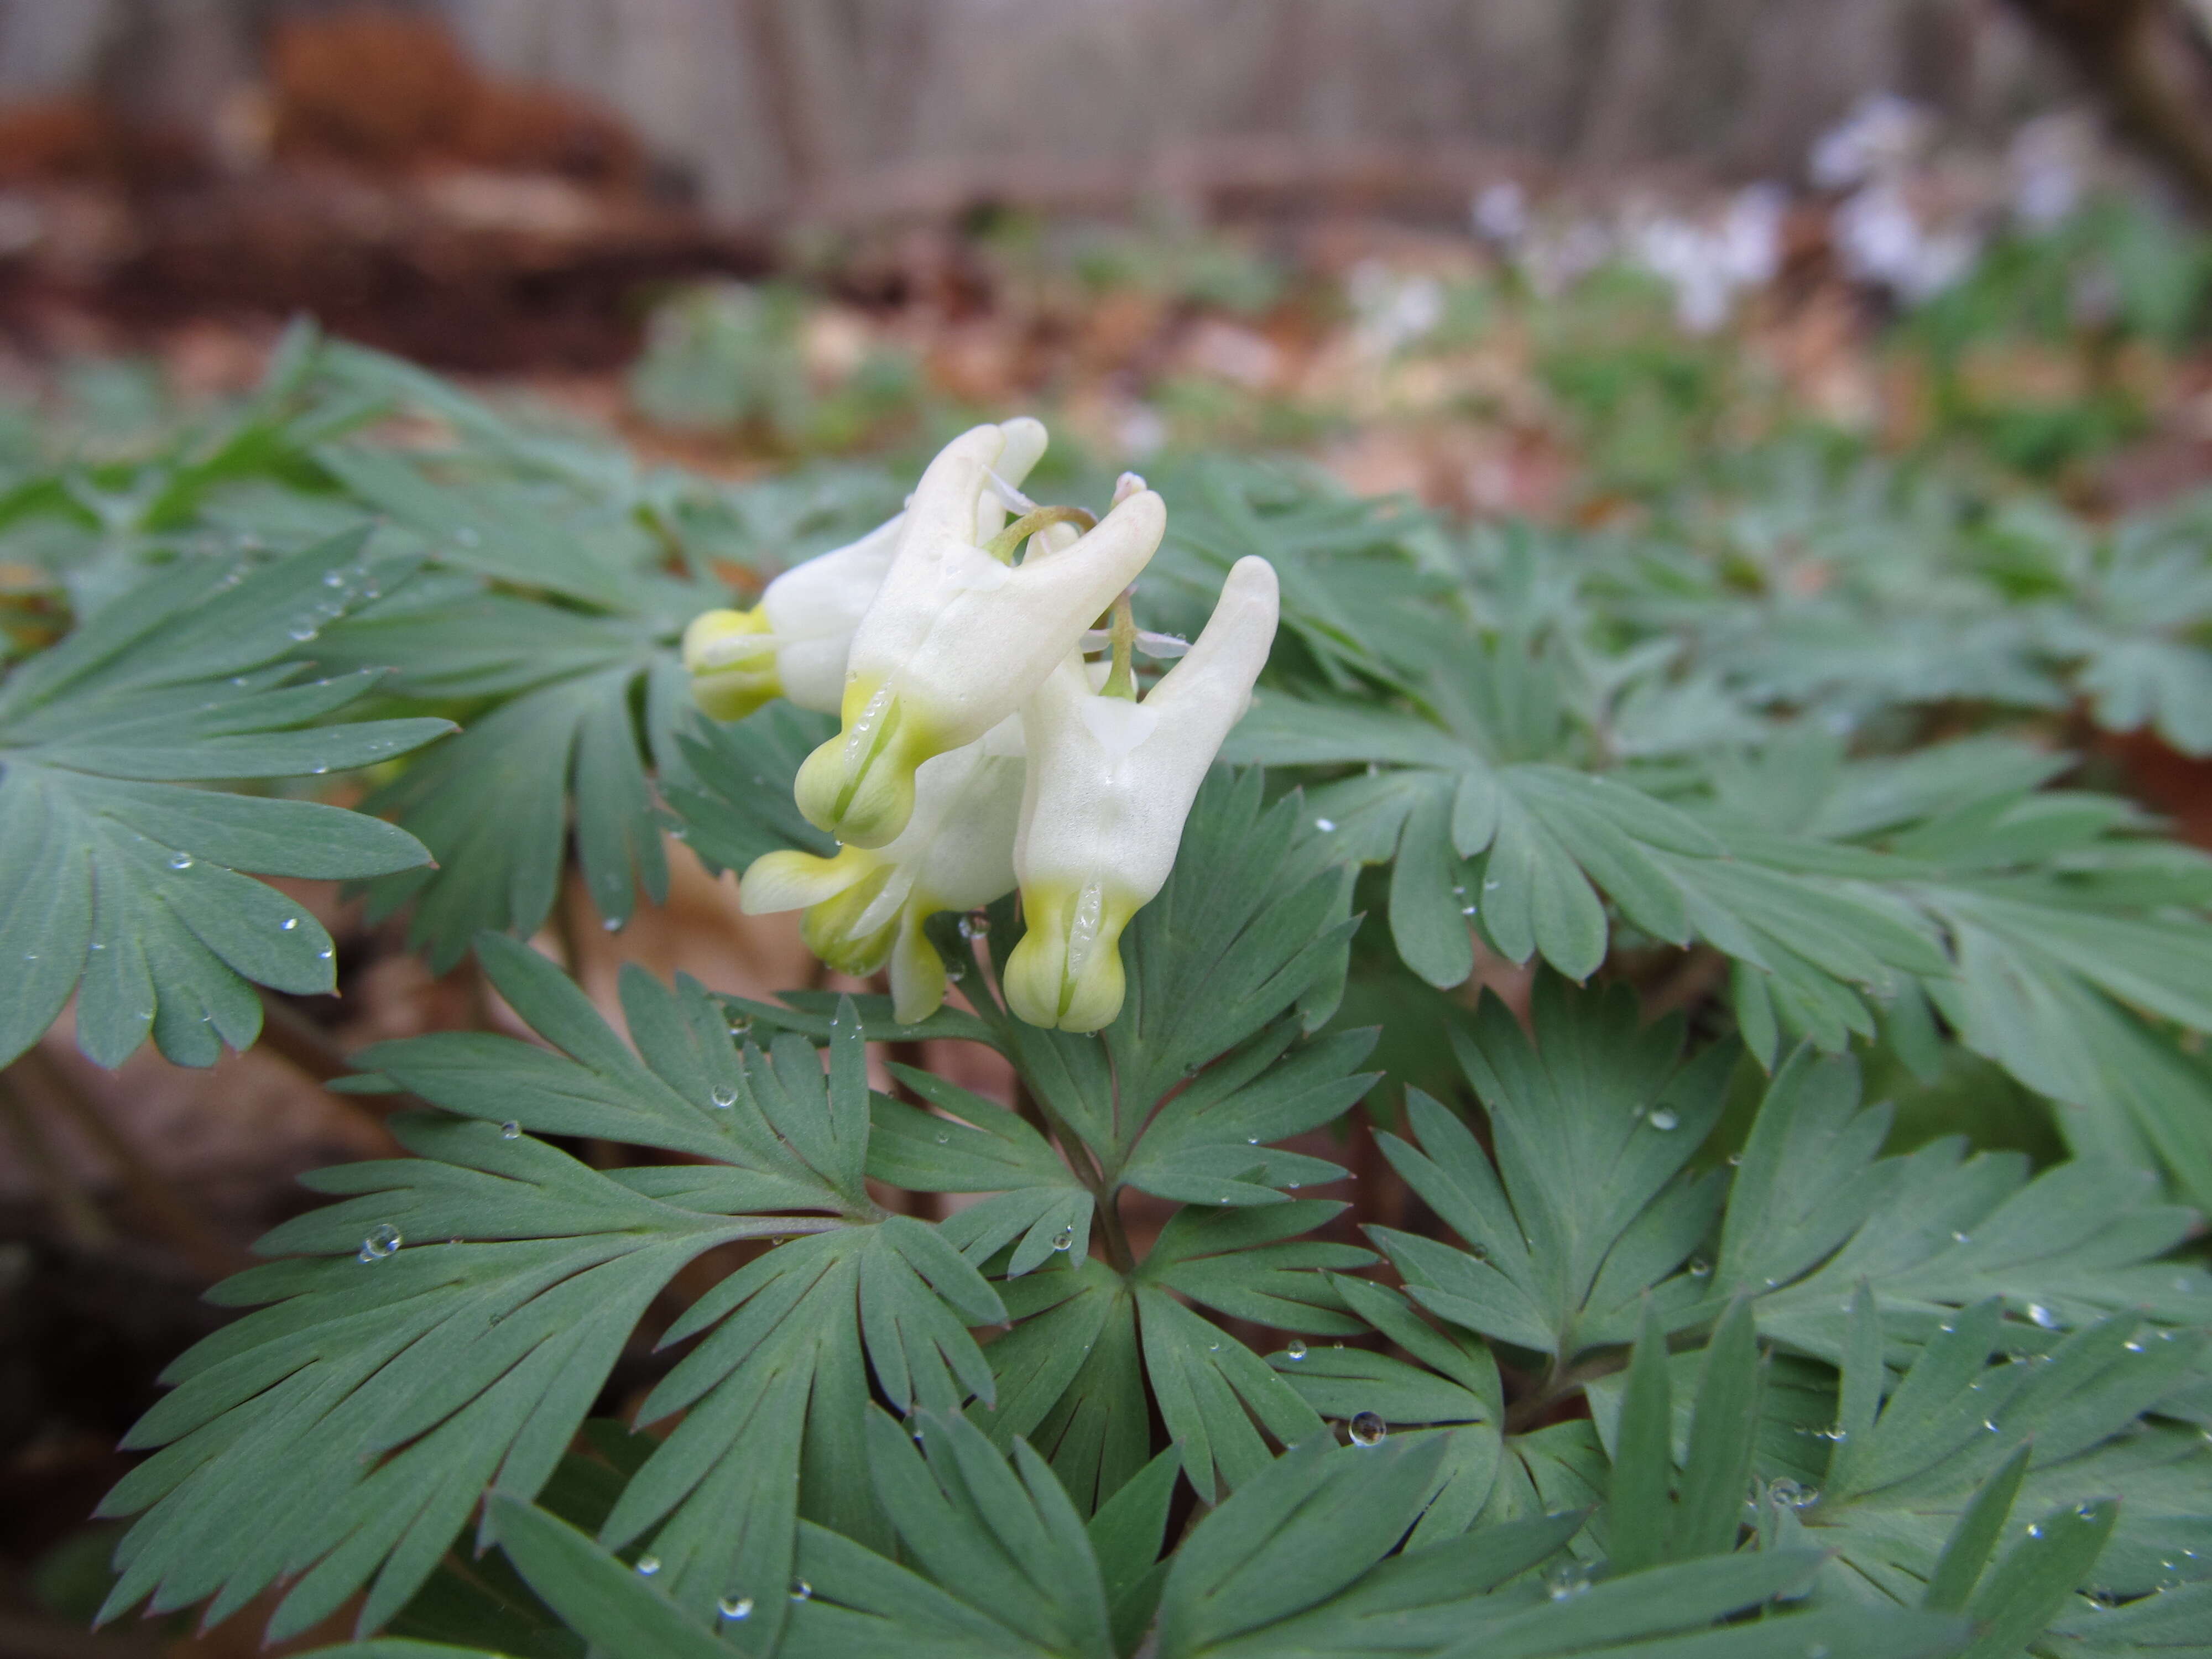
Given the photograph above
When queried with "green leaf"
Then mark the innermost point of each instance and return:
(348, 1430)
(763, 1119)
(1717, 1472)
(1126, 1535)
(733, 795)
(1594, 1126)
(775, 1397)
(1967, 1551)
(1306, 1527)
(1070, 1377)
(573, 739)
(1641, 1501)
(2037, 1578)
(608, 1602)
(1001, 1562)
(117, 879)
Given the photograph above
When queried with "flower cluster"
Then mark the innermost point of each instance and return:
(979, 751)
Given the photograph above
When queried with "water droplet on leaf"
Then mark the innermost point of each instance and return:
(722, 1097)
(734, 1607)
(1297, 1350)
(510, 1130)
(1064, 1239)
(647, 1565)
(1663, 1118)
(180, 861)
(801, 1590)
(383, 1239)
(1368, 1430)
(976, 924)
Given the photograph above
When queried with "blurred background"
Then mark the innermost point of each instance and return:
(1553, 262)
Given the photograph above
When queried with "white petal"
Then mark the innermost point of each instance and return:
(1118, 725)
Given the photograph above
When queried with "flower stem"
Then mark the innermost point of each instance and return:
(1001, 546)
(1121, 678)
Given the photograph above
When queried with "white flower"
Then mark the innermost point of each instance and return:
(1879, 239)
(1881, 136)
(795, 642)
(867, 907)
(958, 638)
(1707, 265)
(1111, 783)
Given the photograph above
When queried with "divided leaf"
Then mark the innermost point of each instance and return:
(118, 875)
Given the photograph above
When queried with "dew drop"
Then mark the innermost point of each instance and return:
(1699, 1267)
(383, 1239)
(741, 1026)
(1990, 1424)
(612, 924)
(943, 1140)
(1297, 1350)
(1566, 1582)
(1735, 1160)
(288, 924)
(722, 1097)
(1368, 1430)
(333, 579)
(2035, 1530)
(323, 955)
(955, 972)
(734, 1607)
(510, 1130)
(976, 924)
(647, 1565)
(301, 632)
(1663, 1118)
(2133, 1347)
(1327, 826)
(1961, 1238)
(2042, 1317)
(801, 1590)
(1064, 1239)
(180, 861)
